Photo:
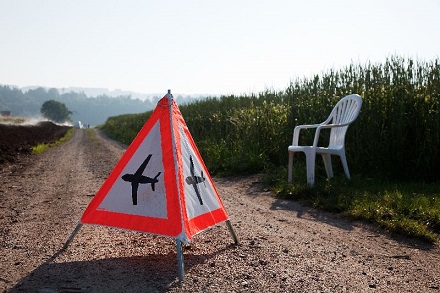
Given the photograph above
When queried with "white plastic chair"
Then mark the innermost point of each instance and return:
(342, 115)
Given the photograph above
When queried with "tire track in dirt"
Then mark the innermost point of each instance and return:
(45, 200)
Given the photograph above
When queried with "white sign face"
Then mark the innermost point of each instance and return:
(200, 197)
(140, 188)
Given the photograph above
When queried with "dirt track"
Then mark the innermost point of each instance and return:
(284, 247)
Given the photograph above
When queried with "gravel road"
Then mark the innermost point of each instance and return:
(284, 247)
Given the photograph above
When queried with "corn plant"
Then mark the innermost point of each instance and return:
(397, 134)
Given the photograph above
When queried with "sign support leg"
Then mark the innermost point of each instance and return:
(234, 236)
(78, 226)
(71, 236)
(180, 266)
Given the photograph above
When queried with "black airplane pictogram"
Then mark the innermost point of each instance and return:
(194, 180)
(137, 178)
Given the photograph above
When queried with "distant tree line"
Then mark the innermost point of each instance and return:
(89, 110)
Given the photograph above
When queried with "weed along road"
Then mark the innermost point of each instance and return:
(284, 247)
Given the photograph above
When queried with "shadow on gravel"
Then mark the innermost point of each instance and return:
(325, 217)
(257, 187)
(149, 273)
(344, 223)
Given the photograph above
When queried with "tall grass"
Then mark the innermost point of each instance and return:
(124, 128)
(237, 132)
(397, 134)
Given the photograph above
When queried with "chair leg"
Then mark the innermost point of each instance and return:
(345, 165)
(327, 158)
(310, 161)
(289, 167)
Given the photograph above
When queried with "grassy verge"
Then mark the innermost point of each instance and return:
(44, 146)
(91, 135)
(405, 208)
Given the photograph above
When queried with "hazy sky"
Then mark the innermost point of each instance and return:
(195, 46)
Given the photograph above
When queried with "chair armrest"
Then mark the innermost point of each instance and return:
(334, 125)
(325, 126)
(297, 130)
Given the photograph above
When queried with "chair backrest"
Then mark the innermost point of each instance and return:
(345, 111)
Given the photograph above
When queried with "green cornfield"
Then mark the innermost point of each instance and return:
(396, 136)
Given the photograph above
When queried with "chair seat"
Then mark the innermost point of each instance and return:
(318, 149)
(333, 150)
(299, 148)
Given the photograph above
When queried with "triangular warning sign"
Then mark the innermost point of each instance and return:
(161, 184)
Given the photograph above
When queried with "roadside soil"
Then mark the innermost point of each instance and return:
(284, 247)
(17, 140)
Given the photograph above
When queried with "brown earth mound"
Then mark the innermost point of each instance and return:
(16, 140)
